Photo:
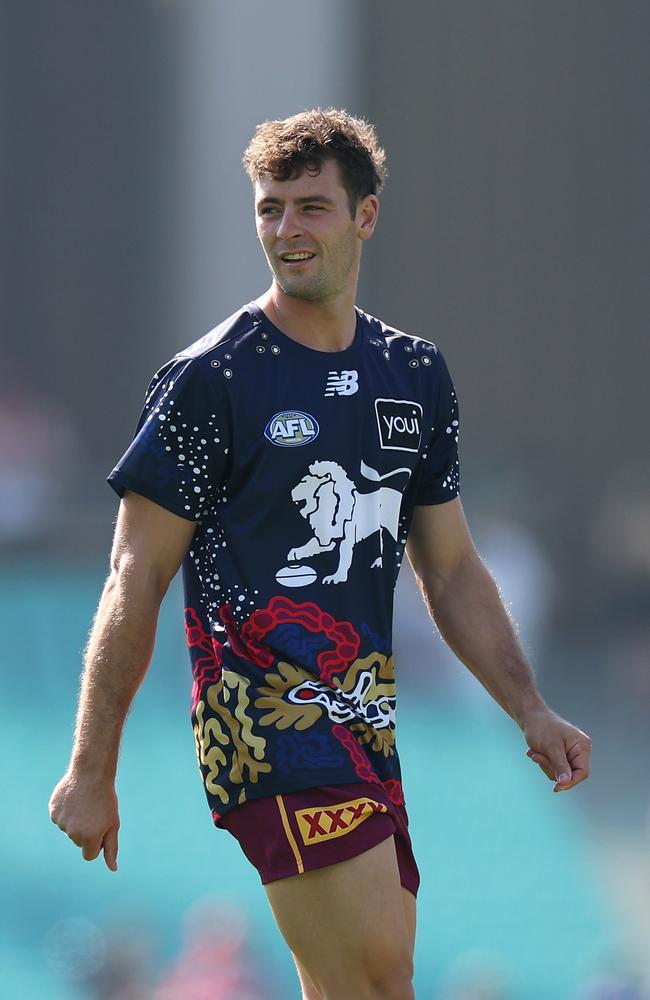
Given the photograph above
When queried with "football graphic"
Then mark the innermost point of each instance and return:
(295, 575)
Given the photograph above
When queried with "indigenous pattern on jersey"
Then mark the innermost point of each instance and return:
(301, 469)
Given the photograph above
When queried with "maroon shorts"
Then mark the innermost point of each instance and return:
(296, 832)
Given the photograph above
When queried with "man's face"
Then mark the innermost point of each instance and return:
(310, 240)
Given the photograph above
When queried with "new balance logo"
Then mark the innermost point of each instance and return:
(344, 383)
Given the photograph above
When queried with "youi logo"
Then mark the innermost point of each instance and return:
(291, 429)
(400, 424)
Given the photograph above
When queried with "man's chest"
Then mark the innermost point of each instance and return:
(370, 418)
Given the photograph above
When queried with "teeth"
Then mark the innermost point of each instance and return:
(297, 256)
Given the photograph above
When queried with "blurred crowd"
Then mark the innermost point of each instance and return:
(218, 960)
(39, 449)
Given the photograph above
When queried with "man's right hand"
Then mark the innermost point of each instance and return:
(86, 809)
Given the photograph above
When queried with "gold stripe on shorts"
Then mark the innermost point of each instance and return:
(290, 836)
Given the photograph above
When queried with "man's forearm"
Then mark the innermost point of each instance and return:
(474, 623)
(119, 649)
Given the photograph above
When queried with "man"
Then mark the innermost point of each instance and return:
(287, 459)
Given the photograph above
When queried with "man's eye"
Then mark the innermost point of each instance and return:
(313, 208)
(268, 210)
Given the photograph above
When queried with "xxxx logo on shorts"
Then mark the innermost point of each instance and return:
(327, 822)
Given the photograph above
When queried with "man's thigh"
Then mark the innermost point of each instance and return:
(356, 910)
(309, 989)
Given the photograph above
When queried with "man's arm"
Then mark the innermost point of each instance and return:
(148, 547)
(464, 602)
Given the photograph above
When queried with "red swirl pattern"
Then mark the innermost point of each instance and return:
(208, 667)
(362, 767)
(360, 761)
(249, 642)
(394, 789)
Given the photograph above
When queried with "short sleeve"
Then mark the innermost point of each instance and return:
(179, 455)
(440, 480)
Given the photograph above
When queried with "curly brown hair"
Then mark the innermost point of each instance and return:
(286, 147)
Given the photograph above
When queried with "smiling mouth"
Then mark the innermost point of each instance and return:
(299, 257)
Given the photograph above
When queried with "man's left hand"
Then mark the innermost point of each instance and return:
(561, 750)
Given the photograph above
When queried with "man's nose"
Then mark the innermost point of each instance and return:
(289, 226)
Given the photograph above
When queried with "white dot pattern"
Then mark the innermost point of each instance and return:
(190, 438)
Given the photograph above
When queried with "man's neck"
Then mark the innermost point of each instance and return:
(322, 326)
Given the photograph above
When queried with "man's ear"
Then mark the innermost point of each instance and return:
(366, 217)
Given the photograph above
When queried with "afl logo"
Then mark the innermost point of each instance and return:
(291, 428)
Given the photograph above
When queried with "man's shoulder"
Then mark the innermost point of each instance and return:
(227, 337)
(217, 349)
(393, 338)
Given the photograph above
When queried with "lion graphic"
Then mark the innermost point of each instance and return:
(339, 515)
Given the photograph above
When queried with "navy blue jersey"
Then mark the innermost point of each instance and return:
(301, 469)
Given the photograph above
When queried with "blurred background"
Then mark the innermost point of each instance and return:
(514, 232)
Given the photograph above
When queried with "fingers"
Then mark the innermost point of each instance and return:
(539, 758)
(91, 846)
(89, 849)
(544, 763)
(578, 756)
(85, 809)
(563, 781)
(577, 764)
(557, 763)
(110, 849)
(566, 769)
